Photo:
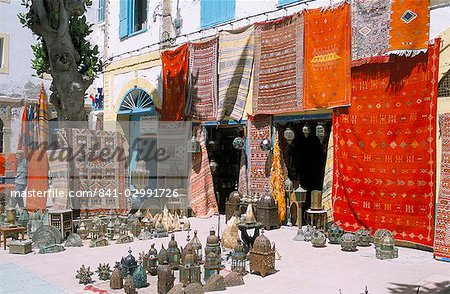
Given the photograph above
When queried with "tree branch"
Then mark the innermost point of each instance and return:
(42, 16)
(63, 19)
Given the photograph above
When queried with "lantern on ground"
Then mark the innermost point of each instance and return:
(116, 280)
(165, 278)
(196, 246)
(363, 238)
(174, 254)
(161, 230)
(212, 265)
(110, 230)
(387, 249)
(289, 135)
(212, 244)
(94, 232)
(379, 235)
(163, 257)
(238, 259)
(232, 204)
(136, 227)
(267, 211)
(189, 270)
(300, 198)
(334, 234)
(150, 261)
(123, 229)
(262, 256)
(318, 239)
(140, 277)
(128, 264)
(348, 242)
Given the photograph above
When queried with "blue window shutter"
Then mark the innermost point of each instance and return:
(286, 2)
(214, 12)
(123, 18)
(101, 10)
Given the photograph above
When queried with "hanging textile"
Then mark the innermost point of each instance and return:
(328, 181)
(42, 118)
(410, 25)
(278, 85)
(442, 238)
(243, 181)
(201, 187)
(259, 129)
(236, 49)
(327, 57)
(37, 182)
(175, 71)
(59, 173)
(202, 93)
(370, 31)
(384, 171)
(24, 139)
(277, 178)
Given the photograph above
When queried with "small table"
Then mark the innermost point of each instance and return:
(247, 240)
(10, 230)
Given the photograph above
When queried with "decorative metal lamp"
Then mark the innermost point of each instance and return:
(379, 235)
(140, 277)
(116, 228)
(165, 279)
(232, 204)
(197, 247)
(161, 230)
(212, 265)
(213, 164)
(348, 242)
(316, 200)
(319, 239)
(300, 197)
(82, 231)
(262, 256)
(129, 287)
(212, 244)
(334, 234)
(288, 187)
(289, 135)
(306, 130)
(320, 132)
(173, 253)
(94, 232)
(265, 145)
(194, 145)
(238, 259)
(363, 238)
(123, 229)
(163, 257)
(136, 227)
(110, 230)
(116, 280)
(387, 249)
(189, 270)
(267, 211)
(128, 264)
(238, 143)
(150, 261)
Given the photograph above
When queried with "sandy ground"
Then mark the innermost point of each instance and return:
(301, 269)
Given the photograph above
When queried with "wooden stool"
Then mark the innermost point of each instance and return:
(317, 218)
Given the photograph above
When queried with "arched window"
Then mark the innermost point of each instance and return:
(135, 101)
(444, 86)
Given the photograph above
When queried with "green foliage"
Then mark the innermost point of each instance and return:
(79, 30)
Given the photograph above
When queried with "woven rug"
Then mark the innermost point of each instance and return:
(278, 85)
(385, 149)
(327, 57)
(201, 187)
(442, 238)
(175, 72)
(37, 181)
(259, 128)
(410, 25)
(243, 181)
(236, 50)
(202, 95)
(327, 189)
(60, 182)
(370, 31)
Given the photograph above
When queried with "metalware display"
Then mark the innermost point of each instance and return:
(262, 256)
(165, 278)
(348, 242)
(173, 252)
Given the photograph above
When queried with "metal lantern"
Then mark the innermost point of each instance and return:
(165, 279)
(212, 265)
(173, 253)
(363, 238)
(316, 200)
(123, 229)
(150, 261)
(116, 280)
(128, 264)
(196, 246)
(289, 135)
(335, 233)
(318, 239)
(94, 232)
(213, 164)
(300, 198)
(212, 244)
(320, 132)
(238, 143)
(379, 235)
(386, 250)
(140, 277)
(194, 145)
(262, 256)
(110, 230)
(161, 230)
(348, 242)
(238, 259)
(267, 211)
(265, 145)
(189, 270)
(163, 257)
(232, 204)
(136, 227)
(306, 130)
(288, 187)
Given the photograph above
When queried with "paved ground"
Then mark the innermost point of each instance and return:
(302, 268)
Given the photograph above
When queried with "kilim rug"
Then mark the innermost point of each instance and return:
(326, 79)
(278, 85)
(236, 50)
(201, 187)
(327, 202)
(385, 149)
(175, 71)
(202, 93)
(442, 238)
(37, 182)
(370, 31)
(410, 25)
(259, 128)
(59, 174)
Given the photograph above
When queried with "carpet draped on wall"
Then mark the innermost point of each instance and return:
(370, 31)
(175, 72)
(236, 49)
(201, 187)
(278, 85)
(442, 239)
(202, 93)
(384, 171)
(327, 57)
(327, 189)
(259, 128)
(277, 178)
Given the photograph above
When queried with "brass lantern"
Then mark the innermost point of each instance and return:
(386, 249)
(189, 270)
(267, 211)
(163, 257)
(136, 227)
(238, 259)
(150, 261)
(165, 278)
(212, 244)
(212, 265)
(128, 264)
(289, 135)
(232, 204)
(161, 230)
(174, 253)
(262, 256)
(196, 247)
(110, 230)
